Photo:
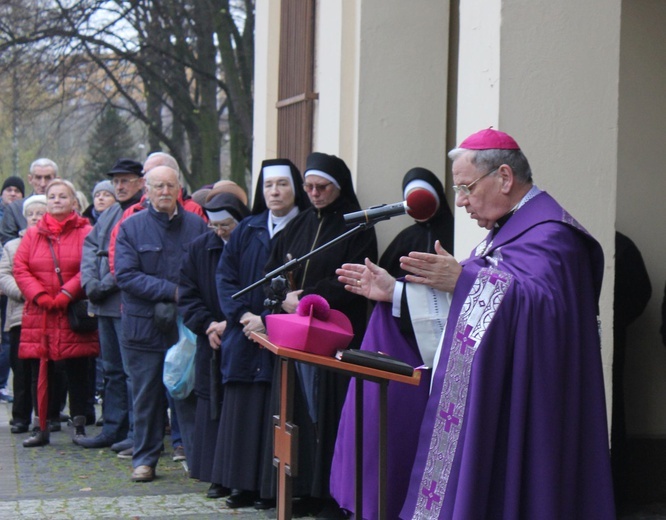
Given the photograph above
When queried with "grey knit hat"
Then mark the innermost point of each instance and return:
(104, 186)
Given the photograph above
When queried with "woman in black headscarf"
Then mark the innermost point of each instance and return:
(421, 235)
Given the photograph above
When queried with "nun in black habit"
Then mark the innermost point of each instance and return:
(199, 305)
(320, 394)
(421, 235)
(247, 369)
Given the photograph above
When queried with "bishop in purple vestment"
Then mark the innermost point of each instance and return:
(515, 424)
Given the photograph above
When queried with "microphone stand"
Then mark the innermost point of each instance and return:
(292, 264)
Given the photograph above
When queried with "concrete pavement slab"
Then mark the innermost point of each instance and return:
(65, 481)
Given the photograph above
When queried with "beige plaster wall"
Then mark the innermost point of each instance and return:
(336, 78)
(641, 210)
(266, 63)
(402, 99)
(381, 78)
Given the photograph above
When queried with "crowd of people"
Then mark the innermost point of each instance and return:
(149, 259)
(510, 422)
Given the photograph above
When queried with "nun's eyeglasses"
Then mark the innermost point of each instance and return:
(319, 187)
(466, 189)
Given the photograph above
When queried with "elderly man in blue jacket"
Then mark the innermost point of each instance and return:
(149, 250)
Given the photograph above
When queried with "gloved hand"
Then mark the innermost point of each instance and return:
(96, 294)
(44, 301)
(61, 301)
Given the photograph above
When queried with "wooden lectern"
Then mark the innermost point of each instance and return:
(285, 442)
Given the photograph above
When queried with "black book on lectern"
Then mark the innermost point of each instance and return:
(376, 360)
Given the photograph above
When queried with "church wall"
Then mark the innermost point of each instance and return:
(641, 210)
(403, 49)
(267, 57)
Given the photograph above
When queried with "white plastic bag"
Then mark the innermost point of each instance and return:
(179, 370)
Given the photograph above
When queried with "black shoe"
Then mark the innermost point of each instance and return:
(241, 499)
(38, 438)
(54, 426)
(99, 422)
(99, 441)
(123, 445)
(264, 503)
(331, 510)
(19, 428)
(217, 491)
(64, 417)
(307, 506)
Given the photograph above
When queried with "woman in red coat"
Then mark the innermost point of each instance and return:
(46, 336)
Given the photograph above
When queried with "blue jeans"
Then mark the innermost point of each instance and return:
(145, 370)
(183, 418)
(176, 437)
(117, 405)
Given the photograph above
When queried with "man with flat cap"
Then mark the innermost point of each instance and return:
(515, 424)
(96, 278)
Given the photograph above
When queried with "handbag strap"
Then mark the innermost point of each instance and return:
(55, 261)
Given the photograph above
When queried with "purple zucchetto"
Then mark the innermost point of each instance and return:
(489, 139)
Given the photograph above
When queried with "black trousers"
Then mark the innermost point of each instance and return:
(22, 383)
(77, 371)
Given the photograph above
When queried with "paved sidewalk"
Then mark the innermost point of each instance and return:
(65, 481)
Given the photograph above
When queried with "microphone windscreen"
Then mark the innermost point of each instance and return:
(421, 203)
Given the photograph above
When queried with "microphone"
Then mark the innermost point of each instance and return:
(420, 205)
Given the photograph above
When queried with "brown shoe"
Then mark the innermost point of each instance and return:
(143, 474)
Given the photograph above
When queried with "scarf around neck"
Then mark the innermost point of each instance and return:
(54, 226)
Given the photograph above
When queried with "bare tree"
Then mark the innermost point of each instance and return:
(181, 67)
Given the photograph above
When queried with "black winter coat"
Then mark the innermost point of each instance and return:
(311, 229)
(198, 302)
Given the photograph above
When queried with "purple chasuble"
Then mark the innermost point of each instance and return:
(515, 425)
(406, 404)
